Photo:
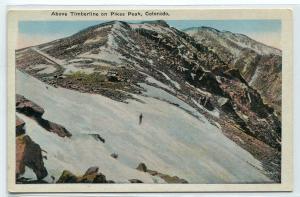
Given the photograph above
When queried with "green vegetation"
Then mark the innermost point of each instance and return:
(93, 78)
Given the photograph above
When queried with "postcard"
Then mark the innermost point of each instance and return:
(149, 99)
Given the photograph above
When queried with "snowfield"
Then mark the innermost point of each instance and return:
(169, 140)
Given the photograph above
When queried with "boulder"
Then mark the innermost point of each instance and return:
(54, 128)
(91, 170)
(20, 130)
(142, 167)
(20, 149)
(100, 178)
(29, 154)
(90, 176)
(97, 137)
(172, 179)
(114, 155)
(135, 181)
(33, 158)
(67, 177)
(169, 179)
(28, 107)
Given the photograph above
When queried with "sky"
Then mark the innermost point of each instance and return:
(37, 32)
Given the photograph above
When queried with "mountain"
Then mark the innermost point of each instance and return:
(259, 64)
(198, 110)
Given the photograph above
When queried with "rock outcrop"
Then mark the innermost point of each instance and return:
(20, 150)
(142, 167)
(20, 130)
(67, 177)
(54, 128)
(36, 112)
(28, 107)
(97, 137)
(169, 179)
(33, 157)
(135, 181)
(90, 176)
(28, 153)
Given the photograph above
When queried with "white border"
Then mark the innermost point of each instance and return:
(296, 93)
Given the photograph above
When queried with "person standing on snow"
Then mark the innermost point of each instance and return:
(141, 118)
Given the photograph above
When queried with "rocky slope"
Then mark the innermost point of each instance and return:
(34, 111)
(130, 62)
(259, 64)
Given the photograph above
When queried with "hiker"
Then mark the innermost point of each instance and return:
(141, 118)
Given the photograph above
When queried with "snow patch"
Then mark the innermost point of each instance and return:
(29, 174)
(222, 101)
(70, 68)
(172, 81)
(47, 70)
(255, 76)
(160, 84)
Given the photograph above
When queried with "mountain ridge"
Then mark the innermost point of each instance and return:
(229, 32)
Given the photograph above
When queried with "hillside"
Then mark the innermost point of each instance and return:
(259, 64)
